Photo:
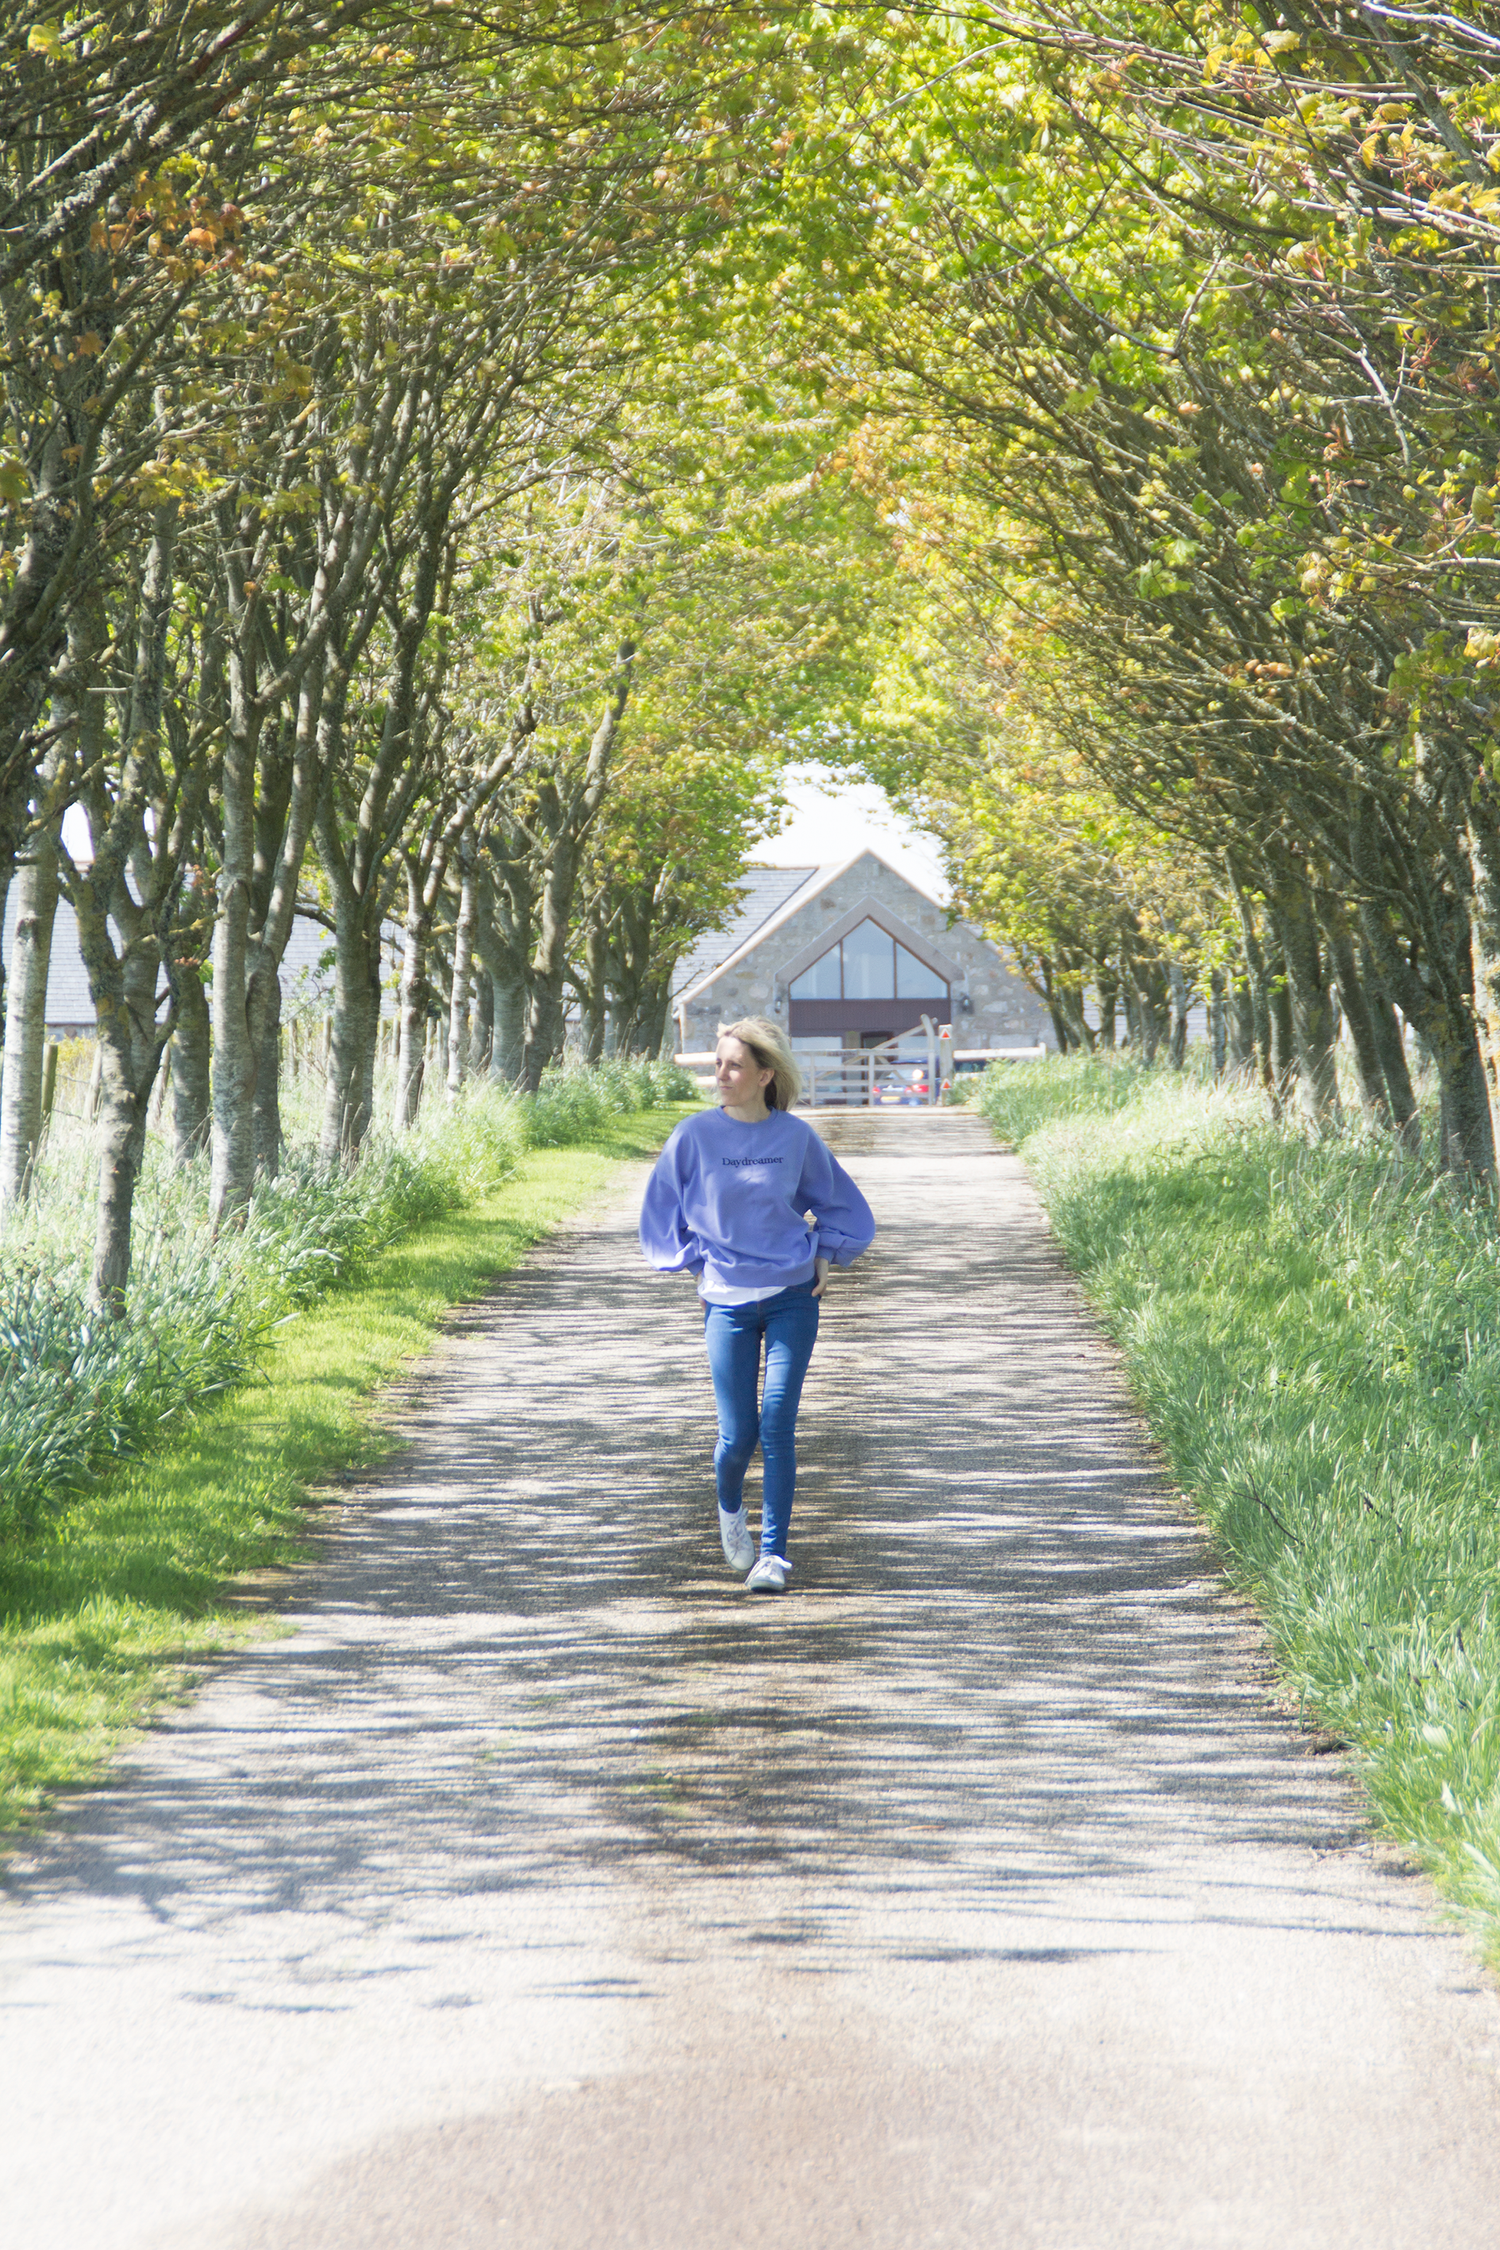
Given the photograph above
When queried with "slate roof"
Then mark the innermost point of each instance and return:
(764, 891)
(814, 879)
(304, 979)
(68, 1002)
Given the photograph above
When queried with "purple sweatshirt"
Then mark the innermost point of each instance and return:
(728, 1200)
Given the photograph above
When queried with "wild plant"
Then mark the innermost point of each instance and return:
(80, 1390)
(1312, 1328)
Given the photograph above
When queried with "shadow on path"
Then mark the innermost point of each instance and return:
(533, 1756)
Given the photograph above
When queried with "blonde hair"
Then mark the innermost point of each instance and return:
(772, 1050)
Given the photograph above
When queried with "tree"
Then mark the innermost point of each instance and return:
(1131, 360)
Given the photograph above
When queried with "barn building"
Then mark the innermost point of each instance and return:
(852, 955)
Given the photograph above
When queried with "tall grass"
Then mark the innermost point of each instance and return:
(80, 1391)
(110, 1604)
(1313, 1331)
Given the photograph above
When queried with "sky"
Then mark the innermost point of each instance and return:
(832, 820)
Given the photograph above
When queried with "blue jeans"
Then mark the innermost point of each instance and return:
(788, 1326)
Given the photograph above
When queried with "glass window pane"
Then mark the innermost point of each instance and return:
(915, 981)
(869, 963)
(821, 981)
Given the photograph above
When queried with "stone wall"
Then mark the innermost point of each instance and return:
(1006, 1013)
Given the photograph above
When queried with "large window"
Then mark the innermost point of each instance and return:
(869, 965)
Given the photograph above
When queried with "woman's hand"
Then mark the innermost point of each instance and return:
(820, 1275)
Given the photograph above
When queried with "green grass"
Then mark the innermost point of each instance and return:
(111, 1607)
(1313, 1332)
(80, 1391)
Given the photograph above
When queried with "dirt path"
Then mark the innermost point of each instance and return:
(546, 1890)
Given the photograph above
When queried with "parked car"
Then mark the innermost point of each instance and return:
(902, 1085)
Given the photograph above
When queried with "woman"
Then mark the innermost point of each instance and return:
(747, 1197)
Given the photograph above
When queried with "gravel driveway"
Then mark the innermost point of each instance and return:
(544, 1889)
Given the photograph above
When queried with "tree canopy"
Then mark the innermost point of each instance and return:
(454, 454)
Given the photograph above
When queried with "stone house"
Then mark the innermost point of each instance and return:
(853, 955)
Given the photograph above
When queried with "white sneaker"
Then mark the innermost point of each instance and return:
(771, 1575)
(738, 1540)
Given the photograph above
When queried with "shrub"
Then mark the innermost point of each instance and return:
(1311, 1329)
(577, 1099)
(79, 1391)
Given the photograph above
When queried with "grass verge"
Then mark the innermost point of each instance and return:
(1313, 1332)
(80, 1392)
(105, 1610)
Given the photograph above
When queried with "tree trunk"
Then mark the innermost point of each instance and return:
(1437, 998)
(1131, 1005)
(458, 992)
(1244, 1057)
(546, 1015)
(1068, 998)
(1283, 1036)
(370, 1058)
(235, 1049)
(1386, 1032)
(7, 872)
(508, 1049)
(1467, 1145)
(1218, 1023)
(1356, 1013)
(1289, 904)
(347, 1109)
(1259, 982)
(595, 967)
(502, 948)
(412, 1056)
(130, 1047)
(26, 1018)
(546, 1023)
(191, 1113)
(122, 1143)
(1060, 1030)
(1177, 1034)
(1148, 987)
(653, 1022)
(1484, 922)
(266, 820)
(484, 1023)
(130, 1034)
(268, 1133)
(508, 1053)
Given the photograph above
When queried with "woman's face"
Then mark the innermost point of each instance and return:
(740, 1078)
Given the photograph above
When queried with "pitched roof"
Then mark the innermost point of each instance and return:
(303, 978)
(67, 980)
(815, 879)
(764, 891)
